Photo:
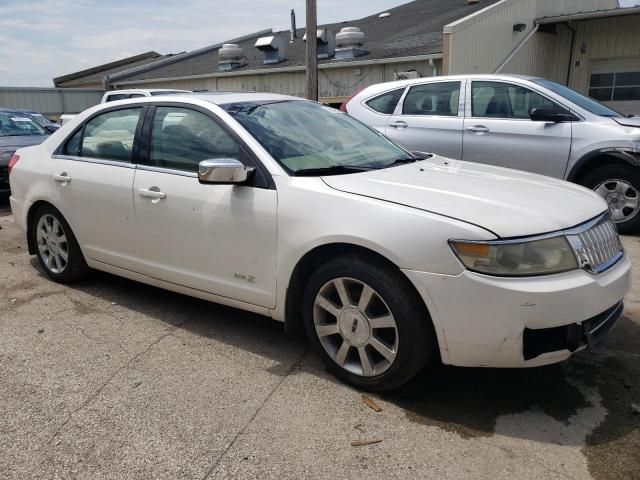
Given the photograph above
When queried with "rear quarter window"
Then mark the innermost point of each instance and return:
(387, 102)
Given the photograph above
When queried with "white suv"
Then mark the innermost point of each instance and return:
(525, 123)
(113, 95)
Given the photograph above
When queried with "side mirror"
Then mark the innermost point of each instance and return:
(51, 128)
(225, 171)
(546, 115)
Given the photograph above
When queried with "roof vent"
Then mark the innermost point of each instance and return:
(230, 57)
(273, 48)
(349, 41)
(326, 43)
(384, 15)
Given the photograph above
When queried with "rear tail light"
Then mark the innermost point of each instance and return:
(13, 162)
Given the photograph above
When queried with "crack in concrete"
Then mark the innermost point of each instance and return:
(229, 446)
(95, 394)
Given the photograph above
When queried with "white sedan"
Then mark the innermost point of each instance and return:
(290, 209)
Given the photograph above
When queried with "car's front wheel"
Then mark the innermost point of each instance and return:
(56, 247)
(619, 185)
(367, 323)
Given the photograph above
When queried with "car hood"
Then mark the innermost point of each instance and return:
(628, 122)
(509, 203)
(8, 145)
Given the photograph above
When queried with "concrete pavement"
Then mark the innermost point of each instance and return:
(113, 379)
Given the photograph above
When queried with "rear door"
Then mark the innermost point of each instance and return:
(92, 184)
(429, 118)
(498, 130)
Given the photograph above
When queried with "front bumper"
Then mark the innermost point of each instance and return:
(484, 321)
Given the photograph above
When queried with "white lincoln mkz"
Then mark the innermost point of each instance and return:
(293, 210)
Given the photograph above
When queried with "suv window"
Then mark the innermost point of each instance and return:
(181, 138)
(439, 98)
(387, 102)
(506, 100)
(108, 136)
(117, 96)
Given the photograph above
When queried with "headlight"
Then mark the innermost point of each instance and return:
(517, 258)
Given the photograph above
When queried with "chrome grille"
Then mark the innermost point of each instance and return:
(597, 244)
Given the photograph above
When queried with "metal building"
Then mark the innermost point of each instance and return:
(591, 45)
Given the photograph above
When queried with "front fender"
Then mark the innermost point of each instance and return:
(627, 154)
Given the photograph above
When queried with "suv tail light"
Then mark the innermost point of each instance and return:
(13, 162)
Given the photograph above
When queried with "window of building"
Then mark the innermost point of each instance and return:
(614, 87)
(439, 98)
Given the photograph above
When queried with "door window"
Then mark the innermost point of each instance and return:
(505, 100)
(439, 98)
(181, 138)
(107, 137)
(387, 102)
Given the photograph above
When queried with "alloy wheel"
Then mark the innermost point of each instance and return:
(355, 326)
(622, 197)
(52, 243)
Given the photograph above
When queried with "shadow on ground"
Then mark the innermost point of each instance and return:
(465, 401)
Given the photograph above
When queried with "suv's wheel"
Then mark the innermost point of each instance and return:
(367, 323)
(56, 247)
(619, 185)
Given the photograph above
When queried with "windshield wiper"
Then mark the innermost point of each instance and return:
(333, 170)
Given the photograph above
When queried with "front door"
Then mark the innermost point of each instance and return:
(498, 130)
(219, 239)
(429, 119)
(92, 181)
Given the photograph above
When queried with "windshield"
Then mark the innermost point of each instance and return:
(16, 124)
(587, 103)
(306, 136)
(40, 119)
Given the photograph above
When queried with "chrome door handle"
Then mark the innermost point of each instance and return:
(62, 178)
(399, 124)
(477, 129)
(154, 195)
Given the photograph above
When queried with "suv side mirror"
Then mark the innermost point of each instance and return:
(51, 128)
(225, 171)
(546, 115)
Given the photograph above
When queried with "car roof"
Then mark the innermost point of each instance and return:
(147, 90)
(382, 87)
(217, 98)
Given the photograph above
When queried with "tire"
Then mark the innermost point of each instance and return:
(394, 316)
(51, 249)
(618, 185)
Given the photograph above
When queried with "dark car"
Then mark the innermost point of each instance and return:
(17, 130)
(41, 120)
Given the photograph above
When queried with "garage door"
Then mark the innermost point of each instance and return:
(616, 83)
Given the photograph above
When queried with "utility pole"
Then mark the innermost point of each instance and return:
(312, 47)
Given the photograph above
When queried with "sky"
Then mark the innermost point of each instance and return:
(43, 39)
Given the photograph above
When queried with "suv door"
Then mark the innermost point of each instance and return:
(92, 180)
(219, 239)
(498, 129)
(429, 119)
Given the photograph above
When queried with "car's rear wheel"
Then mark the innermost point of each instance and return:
(619, 185)
(56, 247)
(367, 323)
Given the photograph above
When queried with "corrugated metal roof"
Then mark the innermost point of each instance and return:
(412, 29)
